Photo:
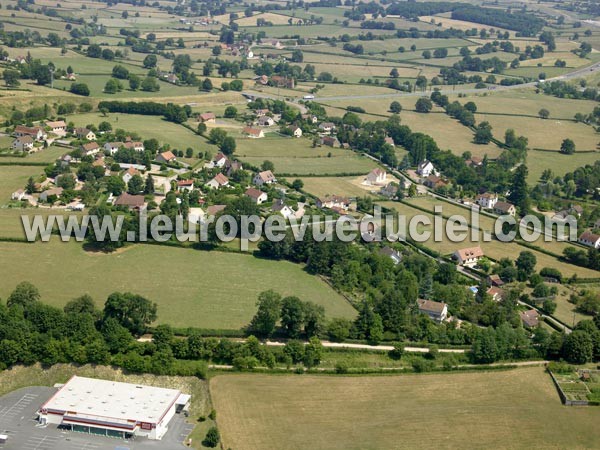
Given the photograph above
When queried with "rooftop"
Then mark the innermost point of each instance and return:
(89, 397)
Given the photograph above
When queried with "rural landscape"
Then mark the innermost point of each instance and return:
(481, 117)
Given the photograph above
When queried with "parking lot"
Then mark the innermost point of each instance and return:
(18, 421)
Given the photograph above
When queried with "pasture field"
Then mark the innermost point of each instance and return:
(48, 155)
(342, 164)
(281, 147)
(560, 164)
(11, 225)
(15, 177)
(192, 288)
(447, 132)
(546, 134)
(149, 127)
(517, 409)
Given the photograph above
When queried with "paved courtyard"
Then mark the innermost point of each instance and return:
(18, 421)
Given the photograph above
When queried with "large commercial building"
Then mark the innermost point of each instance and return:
(112, 408)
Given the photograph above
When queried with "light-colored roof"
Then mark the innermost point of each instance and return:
(168, 155)
(468, 253)
(266, 175)
(90, 398)
(221, 179)
(56, 124)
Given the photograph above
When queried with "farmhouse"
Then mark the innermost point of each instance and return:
(254, 133)
(58, 127)
(84, 133)
(135, 145)
(166, 157)
(438, 311)
(22, 143)
(264, 177)
(425, 169)
(375, 177)
(266, 121)
(207, 118)
(90, 149)
(487, 200)
(36, 133)
(218, 181)
(113, 408)
(261, 112)
(284, 82)
(258, 197)
(495, 293)
(468, 257)
(505, 208)
(589, 239)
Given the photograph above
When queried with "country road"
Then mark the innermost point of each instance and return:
(382, 348)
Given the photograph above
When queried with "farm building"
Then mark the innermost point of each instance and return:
(113, 408)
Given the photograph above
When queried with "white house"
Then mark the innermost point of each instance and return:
(129, 174)
(166, 157)
(218, 181)
(185, 185)
(23, 143)
(327, 127)
(589, 239)
(220, 160)
(438, 311)
(112, 147)
(258, 197)
(377, 176)
(280, 207)
(487, 200)
(469, 257)
(266, 121)
(254, 133)
(264, 177)
(84, 133)
(296, 131)
(36, 133)
(425, 169)
(18, 195)
(90, 148)
(135, 145)
(58, 127)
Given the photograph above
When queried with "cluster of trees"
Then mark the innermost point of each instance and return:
(171, 112)
(525, 24)
(563, 89)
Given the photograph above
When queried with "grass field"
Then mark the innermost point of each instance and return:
(149, 127)
(346, 186)
(191, 288)
(517, 409)
(15, 177)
